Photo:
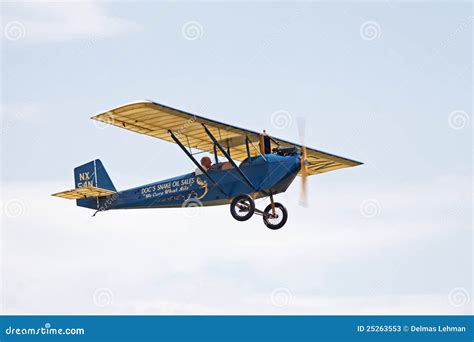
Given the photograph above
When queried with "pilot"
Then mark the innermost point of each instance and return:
(206, 164)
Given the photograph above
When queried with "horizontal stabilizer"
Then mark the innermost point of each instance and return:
(84, 192)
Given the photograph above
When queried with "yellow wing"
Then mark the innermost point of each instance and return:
(156, 120)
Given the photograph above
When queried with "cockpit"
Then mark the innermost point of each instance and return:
(265, 149)
(207, 165)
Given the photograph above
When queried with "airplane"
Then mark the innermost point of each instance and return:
(268, 166)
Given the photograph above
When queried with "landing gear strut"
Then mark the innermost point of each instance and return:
(274, 216)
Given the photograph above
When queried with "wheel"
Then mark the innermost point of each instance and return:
(242, 207)
(280, 219)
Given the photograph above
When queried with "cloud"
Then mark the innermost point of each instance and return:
(56, 256)
(18, 111)
(41, 22)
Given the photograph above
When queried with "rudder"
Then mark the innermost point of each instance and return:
(93, 174)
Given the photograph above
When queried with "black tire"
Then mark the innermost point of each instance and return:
(282, 213)
(242, 207)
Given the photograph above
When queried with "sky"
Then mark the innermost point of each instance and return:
(386, 83)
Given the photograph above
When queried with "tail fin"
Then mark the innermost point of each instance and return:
(93, 174)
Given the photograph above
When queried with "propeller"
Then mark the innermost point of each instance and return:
(304, 163)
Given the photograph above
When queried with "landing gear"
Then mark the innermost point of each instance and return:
(274, 216)
(242, 207)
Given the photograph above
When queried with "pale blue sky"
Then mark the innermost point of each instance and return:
(385, 101)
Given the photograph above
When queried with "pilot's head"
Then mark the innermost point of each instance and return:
(206, 162)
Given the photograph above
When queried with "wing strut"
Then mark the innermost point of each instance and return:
(224, 152)
(196, 162)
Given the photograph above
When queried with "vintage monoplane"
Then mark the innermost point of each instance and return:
(267, 167)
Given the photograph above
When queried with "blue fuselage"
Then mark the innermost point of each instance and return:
(274, 174)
